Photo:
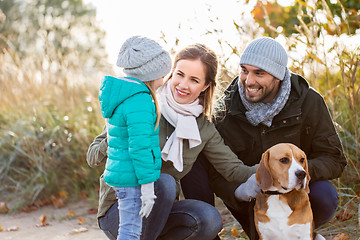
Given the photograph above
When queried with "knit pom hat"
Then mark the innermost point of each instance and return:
(143, 59)
(266, 54)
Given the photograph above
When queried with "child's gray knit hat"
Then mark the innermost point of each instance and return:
(266, 54)
(143, 59)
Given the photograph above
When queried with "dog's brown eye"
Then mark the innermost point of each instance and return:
(302, 160)
(284, 160)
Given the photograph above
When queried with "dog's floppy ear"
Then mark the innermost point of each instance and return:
(307, 189)
(263, 175)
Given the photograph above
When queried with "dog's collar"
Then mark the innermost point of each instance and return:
(275, 192)
(271, 192)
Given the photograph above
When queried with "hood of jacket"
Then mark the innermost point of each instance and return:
(114, 91)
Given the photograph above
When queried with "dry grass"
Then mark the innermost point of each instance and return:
(45, 129)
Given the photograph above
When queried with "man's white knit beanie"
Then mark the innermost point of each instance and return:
(143, 59)
(266, 54)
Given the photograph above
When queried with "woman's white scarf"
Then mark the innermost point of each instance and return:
(183, 118)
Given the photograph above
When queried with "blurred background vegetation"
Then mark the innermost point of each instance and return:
(52, 56)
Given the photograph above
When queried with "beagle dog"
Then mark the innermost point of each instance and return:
(282, 209)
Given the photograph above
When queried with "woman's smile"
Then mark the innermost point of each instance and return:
(188, 80)
(181, 93)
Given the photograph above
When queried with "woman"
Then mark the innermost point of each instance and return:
(185, 131)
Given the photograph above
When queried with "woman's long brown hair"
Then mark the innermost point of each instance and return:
(208, 58)
(150, 85)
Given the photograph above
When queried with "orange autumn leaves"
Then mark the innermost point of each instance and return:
(81, 221)
(341, 236)
(9, 229)
(43, 222)
(234, 232)
(70, 214)
(3, 208)
(58, 200)
(347, 212)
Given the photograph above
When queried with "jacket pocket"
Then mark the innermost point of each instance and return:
(335, 142)
(156, 158)
(153, 155)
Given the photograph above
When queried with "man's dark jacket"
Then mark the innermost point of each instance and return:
(304, 121)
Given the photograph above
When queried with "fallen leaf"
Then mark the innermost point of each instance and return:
(341, 236)
(222, 232)
(12, 229)
(63, 194)
(92, 211)
(235, 232)
(71, 213)
(59, 200)
(81, 221)
(35, 205)
(1, 229)
(40, 203)
(79, 230)
(42, 221)
(29, 208)
(344, 215)
(84, 194)
(3, 208)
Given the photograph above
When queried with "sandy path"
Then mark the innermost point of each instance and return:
(60, 228)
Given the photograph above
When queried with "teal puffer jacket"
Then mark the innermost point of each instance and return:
(134, 155)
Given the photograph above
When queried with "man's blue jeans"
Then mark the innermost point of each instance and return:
(169, 219)
(129, 205)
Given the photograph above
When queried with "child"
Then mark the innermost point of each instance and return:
(132, 116)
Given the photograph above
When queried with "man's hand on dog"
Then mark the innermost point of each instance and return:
(247, 190)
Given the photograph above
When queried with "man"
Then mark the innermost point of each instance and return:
(266, 105)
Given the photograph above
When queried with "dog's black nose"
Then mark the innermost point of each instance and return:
(300, 174)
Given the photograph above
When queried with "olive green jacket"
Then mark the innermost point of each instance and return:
(212, 145)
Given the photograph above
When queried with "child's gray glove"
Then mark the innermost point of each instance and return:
(147, 198)
(247, 190)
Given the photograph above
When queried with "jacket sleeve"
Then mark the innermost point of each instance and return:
(140, 121)
(226, 172)
(97, 152)
(223, 159)
(222, 188)
(325, 155)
